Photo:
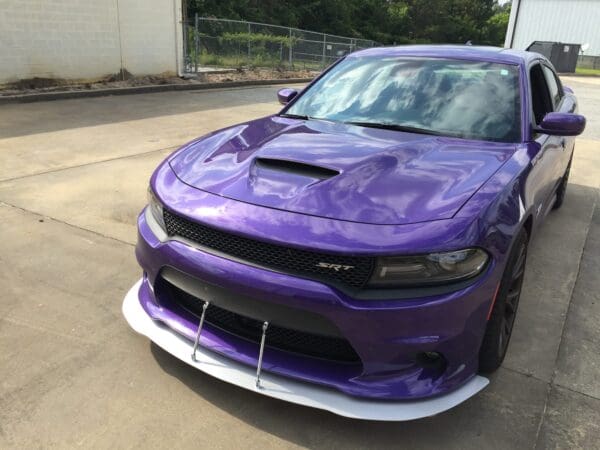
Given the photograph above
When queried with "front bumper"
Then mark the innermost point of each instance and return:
(386, 334)
(288, 389)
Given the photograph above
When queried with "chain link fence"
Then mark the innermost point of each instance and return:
(588, 62)
(236, 43)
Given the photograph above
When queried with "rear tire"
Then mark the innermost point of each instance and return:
(562, 189)
(504, 312)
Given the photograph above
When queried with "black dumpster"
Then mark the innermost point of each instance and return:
(562, 56)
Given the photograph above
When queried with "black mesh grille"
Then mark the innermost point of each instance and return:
(285, 259)
(327, 347)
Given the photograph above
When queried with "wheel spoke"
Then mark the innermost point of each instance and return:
(519, 266)
(513, 294)
(509, 309)
(503, 336)
(518, 274)
(512, 298)
(507, 327)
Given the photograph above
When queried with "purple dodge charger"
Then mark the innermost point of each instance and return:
(363, 250)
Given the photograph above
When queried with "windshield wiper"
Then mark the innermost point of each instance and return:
(295, 116)
(395, 127)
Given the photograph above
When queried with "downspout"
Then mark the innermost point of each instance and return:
(178, 19)
(512, 23)
(121, 68)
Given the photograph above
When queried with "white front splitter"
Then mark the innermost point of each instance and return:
(285, 388)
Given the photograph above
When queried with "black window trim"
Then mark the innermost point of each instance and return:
(532, 122)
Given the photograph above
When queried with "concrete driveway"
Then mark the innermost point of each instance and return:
(73, 176)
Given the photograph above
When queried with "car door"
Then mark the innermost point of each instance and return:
(550, 149)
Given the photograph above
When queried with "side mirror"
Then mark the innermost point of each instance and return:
(286, 95)
(562, 124)
(568, 89)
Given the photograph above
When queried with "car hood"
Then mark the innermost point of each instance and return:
(340, 171)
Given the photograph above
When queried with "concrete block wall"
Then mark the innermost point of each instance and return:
(86, 39)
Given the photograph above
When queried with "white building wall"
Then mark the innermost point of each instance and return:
(568, 21)
(148, 35)
(86, 39)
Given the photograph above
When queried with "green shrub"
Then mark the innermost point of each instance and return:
(259, 38)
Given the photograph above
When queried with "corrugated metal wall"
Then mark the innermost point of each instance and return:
(569, 21)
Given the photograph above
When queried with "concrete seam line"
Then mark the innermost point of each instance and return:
(552, 384)
(43, 329)
(549, 383)
(64, 95)
(572, 290)
(525, 374)
(116, 158)
(573, 391)
(542, 416)
(54, 219)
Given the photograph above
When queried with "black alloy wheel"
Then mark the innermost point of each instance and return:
(504, 312)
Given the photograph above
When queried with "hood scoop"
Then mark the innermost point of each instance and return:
(295, 168)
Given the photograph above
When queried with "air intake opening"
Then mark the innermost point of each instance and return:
(299, 168)
(280, 337)
(433, 362)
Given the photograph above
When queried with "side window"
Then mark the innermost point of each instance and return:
(554, 86)
(540, 96)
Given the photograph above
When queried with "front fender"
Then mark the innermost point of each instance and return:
(502, 206)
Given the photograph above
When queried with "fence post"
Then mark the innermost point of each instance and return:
(196, 43)
(186, 44)
(324, 46)
(249, 32)
(290, 50)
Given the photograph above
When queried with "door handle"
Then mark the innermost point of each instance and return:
(563, 143)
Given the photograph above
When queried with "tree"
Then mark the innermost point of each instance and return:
(497, 24)
(385, 21)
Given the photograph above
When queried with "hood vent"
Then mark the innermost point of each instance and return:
(298, 168)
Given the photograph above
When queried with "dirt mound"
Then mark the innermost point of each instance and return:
(125, 79)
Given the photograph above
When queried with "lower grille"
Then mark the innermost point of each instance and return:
(308, 344)
(354, 271)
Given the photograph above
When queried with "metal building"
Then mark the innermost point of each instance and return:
(567, 21)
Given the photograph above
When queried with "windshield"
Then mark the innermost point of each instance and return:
(468, 99)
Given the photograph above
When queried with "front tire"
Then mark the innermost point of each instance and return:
(504, 312)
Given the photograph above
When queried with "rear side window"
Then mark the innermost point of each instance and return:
(553, 86)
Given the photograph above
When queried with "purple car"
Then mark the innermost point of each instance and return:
(363, 250)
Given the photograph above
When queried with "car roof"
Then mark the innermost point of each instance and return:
(468, 52)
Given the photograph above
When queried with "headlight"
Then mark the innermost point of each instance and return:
(432, 269)
(156, 209)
